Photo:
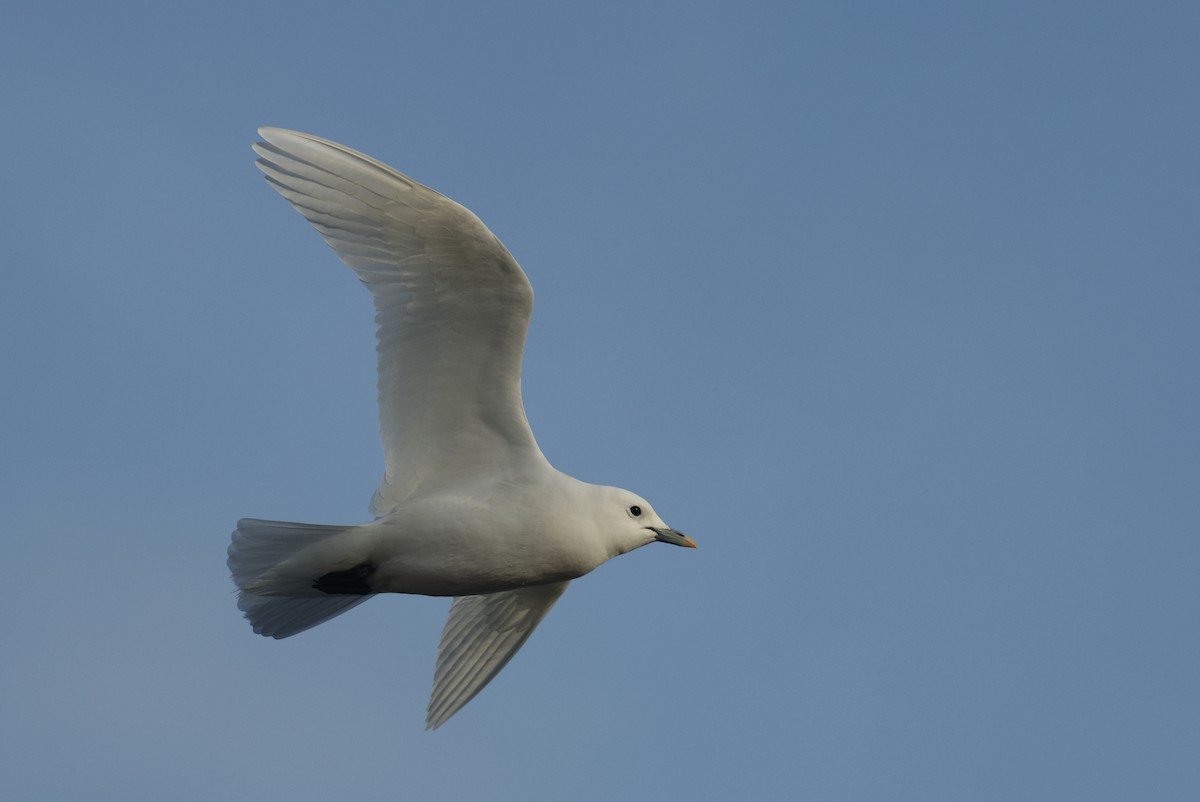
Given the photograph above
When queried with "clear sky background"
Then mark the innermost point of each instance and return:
(893, 306)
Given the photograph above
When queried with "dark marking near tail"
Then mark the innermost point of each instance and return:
(351, 582)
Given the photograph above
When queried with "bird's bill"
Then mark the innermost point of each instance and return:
(673, 537)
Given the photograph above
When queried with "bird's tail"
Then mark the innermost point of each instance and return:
(277, 601)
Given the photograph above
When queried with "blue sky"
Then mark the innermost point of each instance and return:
(892, 306)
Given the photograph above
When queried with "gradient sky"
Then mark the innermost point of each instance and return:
(893, 306)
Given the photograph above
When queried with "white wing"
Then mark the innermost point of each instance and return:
(481, 636)
(451, 305)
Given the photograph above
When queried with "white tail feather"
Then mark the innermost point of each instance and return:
(276, 604)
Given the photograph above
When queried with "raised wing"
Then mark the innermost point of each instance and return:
(451, 305)
(481, 636)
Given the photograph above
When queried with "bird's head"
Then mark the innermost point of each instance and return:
(630, 522)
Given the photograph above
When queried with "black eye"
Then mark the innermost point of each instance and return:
(635, 511)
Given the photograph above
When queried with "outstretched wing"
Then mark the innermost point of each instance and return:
(452, 308)
(481, 636)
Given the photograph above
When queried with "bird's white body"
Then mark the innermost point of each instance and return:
(490, 537)
(468, 506)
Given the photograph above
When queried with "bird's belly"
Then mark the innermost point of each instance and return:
(467, 566)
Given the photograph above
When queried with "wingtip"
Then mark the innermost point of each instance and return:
(437, 714)
(435, 719)
(267, 131)
(270, 135)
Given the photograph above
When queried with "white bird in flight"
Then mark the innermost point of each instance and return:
(468, 506)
